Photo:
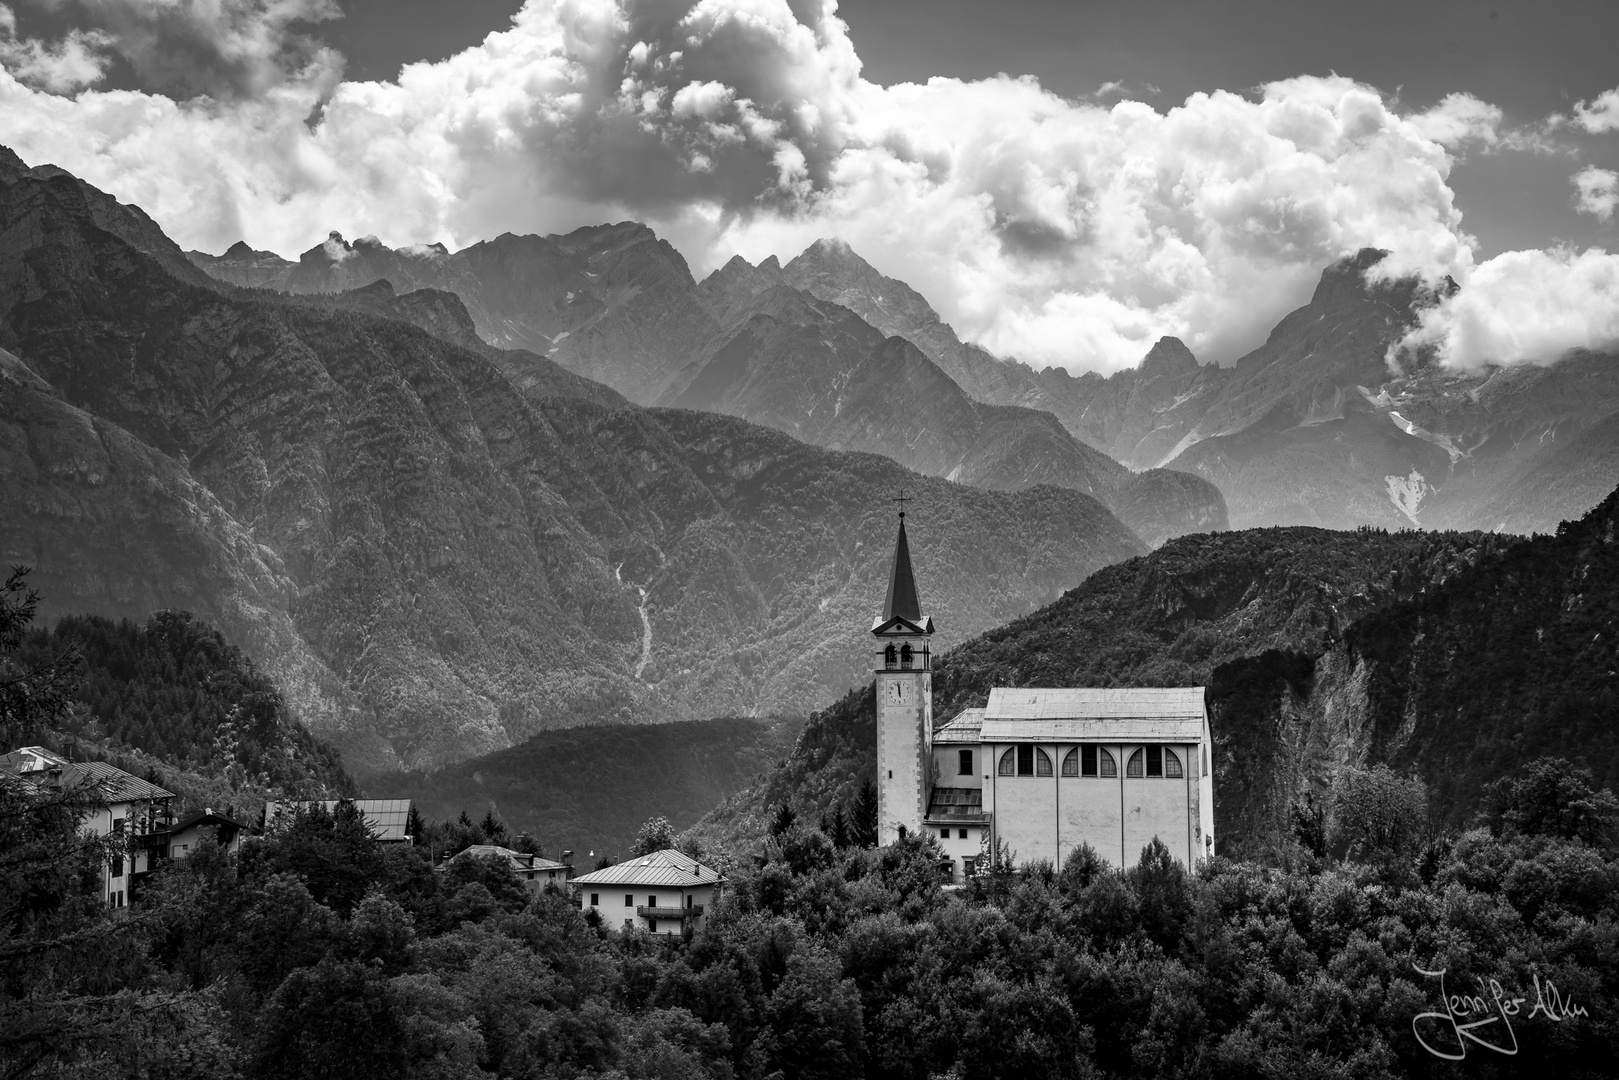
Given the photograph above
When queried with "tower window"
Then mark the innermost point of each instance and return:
(1108, 767)
(966, 762)
(905, 655)
(1070, 763)
(890, 655)
(1172, 764)
(1008, 766)
(1132, 768)
(1155, 761)
(1205, 760)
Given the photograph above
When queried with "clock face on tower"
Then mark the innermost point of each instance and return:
(896, 692)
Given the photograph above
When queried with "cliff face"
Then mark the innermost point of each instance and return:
(437, 548)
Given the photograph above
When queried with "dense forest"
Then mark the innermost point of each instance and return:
(591, 788)
(314, 953)
(168, 699)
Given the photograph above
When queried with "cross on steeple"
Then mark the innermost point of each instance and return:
(902, 499)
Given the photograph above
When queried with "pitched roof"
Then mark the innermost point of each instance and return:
(519, 860)
(115, 784)
(902, 602)
(1090, 714)
(667, 868)
(204, 817)
(386, 817)
(964, 727)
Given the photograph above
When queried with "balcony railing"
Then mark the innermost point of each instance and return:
(671, 912)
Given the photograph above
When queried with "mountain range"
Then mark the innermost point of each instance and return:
(1315, 426)
(618, 305)
(437, 545)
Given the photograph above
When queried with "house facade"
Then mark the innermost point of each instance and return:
(534, 871)
(115, 803)
(1037, 772)
(662, 893)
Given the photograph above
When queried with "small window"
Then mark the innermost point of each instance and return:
(1025, 761)
(652, 926)
(1008, 766)
(595, 899)
(629, 899)
(1070, 763)
(961, 834)
(966, 762)
(629, 924)
(1108, 767)
(890, 655)
(1132, 768)
(1205, 761)
(651, 900)
(1042, 763)
(944, 834)
(1087, 761)
(1155, 761)
(1172, 764)
(688, 901)
(905, 655)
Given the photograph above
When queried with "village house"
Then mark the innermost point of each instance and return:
(535, 871)
(662, 893)
(1038, 771)
(388, 819)
(184, 835)
(115, 804)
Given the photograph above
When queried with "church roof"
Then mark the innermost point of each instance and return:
(963, 728)
(1087, 714)
(902, 602)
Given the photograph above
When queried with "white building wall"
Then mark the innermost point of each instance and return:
(617, 914)
(904, 750)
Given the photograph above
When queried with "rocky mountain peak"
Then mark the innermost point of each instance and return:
(1169, 355)
(239, 250)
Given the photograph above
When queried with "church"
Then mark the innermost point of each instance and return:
(1039, 770)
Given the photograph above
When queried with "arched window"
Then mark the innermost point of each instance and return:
(1070, 761)
(1132, 768)
(905, 655)
(1172, 764)
(1109, 767)
(1042, 763)
(890, 655)
(1008, 766)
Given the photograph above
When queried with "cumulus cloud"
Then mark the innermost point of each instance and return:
(1062, 232)
(222, 48)
(1600, 114)
(1596, 192)
(76, 61)
(1526, 306)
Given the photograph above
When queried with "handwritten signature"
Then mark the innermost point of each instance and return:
(1470, 1016)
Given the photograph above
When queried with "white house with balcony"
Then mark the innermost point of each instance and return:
(662, 893)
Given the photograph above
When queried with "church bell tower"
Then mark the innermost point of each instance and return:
(904, 700)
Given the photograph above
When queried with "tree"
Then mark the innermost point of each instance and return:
(1377, 815)
(656, 835)
(863, 827)
(493, 827)
(783, 822)
(1552, 797)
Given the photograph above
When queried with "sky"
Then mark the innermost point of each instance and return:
(1065, 181)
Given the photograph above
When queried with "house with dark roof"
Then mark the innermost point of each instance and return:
(1037, 770)
(662, 893)
(114, 803)
(184, 835)
(535, 871)
(388, 819)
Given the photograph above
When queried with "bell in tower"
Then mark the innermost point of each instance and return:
(904, 699)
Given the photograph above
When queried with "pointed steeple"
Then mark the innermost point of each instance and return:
(902, 600)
